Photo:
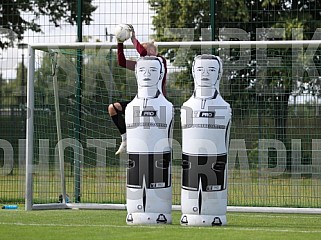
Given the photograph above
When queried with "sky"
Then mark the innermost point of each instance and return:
(109, 13)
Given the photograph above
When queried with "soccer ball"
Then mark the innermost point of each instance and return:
(122, 32)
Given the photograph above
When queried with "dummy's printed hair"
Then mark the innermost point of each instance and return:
(206, 56)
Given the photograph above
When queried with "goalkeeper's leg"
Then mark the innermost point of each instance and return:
(116, 112)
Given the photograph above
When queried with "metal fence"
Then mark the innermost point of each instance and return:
(260, 109)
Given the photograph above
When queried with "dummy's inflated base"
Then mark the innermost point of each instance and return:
(203, 220)
(148, 218)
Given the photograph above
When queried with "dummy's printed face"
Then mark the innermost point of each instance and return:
(148, 73)
(206, 72)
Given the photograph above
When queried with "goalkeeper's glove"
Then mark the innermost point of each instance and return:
(131, 28)
(132, 31)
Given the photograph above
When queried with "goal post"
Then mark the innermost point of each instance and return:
(275, 148)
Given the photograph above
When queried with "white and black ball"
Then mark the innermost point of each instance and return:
(122, 32)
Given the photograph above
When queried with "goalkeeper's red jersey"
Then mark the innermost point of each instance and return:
(130, 64)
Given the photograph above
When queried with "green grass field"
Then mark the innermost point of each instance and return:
(110, 224)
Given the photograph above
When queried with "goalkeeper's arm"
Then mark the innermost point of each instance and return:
(139, 47)
(122, 61)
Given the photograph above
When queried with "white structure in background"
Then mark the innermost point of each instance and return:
(307, 93)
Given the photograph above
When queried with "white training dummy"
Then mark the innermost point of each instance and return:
(149, 121)
(205, 121)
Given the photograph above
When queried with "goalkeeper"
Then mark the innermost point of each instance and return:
(117, 110)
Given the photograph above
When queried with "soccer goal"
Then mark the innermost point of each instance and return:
(275, 147)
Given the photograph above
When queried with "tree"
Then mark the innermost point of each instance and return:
(12, 19)
(247, 15)
(244, 14)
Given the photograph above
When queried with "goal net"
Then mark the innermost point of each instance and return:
(275, 148)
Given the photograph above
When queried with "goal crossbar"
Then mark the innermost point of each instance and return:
(214, 44)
